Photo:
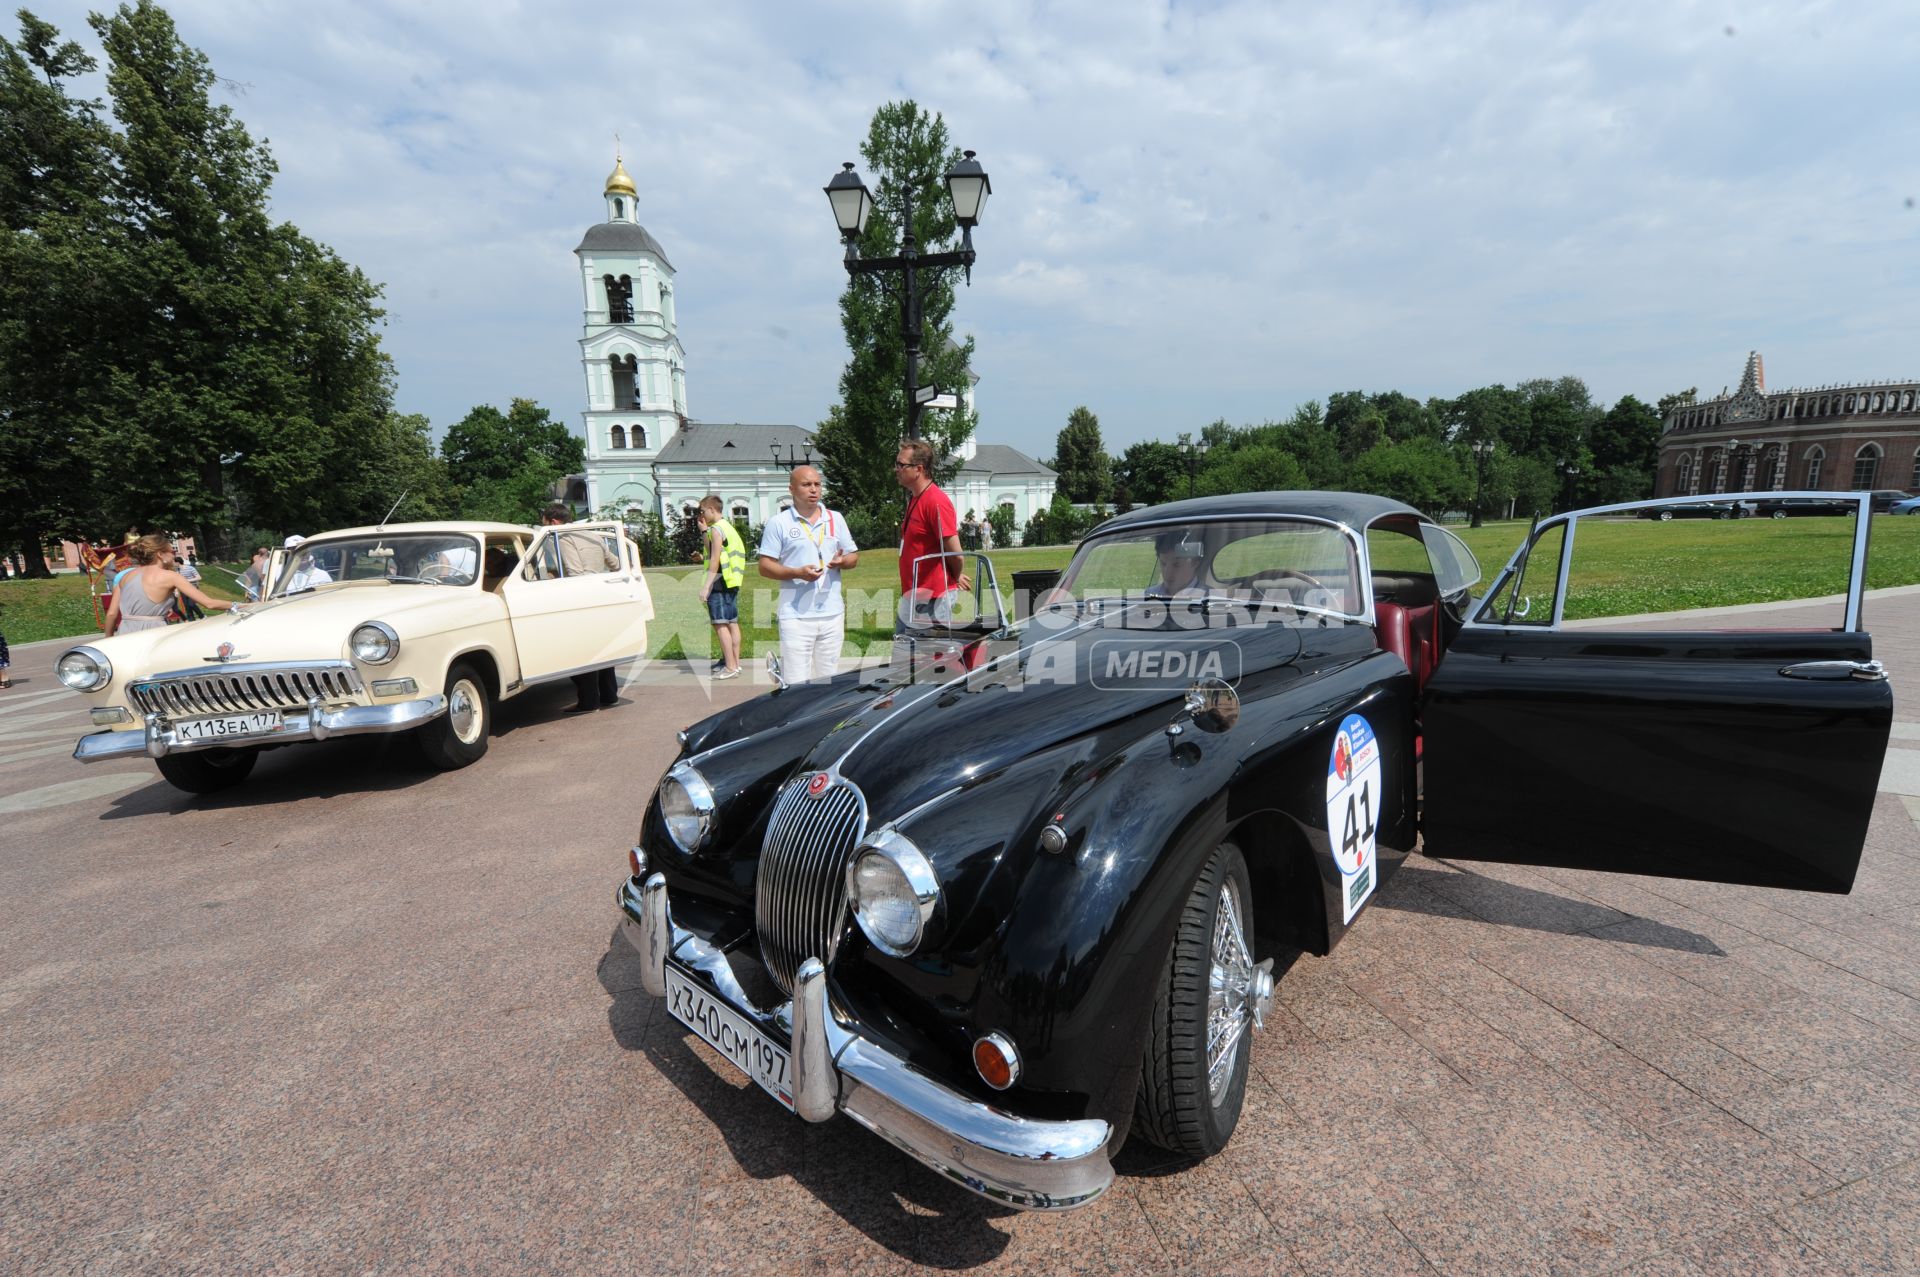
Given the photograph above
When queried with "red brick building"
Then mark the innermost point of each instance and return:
(1838, 438)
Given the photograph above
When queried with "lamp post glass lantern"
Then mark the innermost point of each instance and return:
(910, 274)
(792, 460)
(1195, 453)
(1482, 449)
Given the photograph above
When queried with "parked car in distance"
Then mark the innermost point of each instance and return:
(1709, 509)
(1885, 499)
(408, 627)
(1805, 507)
(1910, 506)
(1009, 914)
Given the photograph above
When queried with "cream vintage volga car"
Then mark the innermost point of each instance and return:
(417, 627)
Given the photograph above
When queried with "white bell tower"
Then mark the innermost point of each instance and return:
(630, 353)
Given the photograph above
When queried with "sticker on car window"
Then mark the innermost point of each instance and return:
(1353, 811)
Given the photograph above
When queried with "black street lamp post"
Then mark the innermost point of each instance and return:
(791, 461)
(1482, 449)
(911, 273)
(1195, 453)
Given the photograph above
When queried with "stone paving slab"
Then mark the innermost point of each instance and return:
(359, 1016)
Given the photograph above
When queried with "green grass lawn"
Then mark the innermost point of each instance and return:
(1620, 568)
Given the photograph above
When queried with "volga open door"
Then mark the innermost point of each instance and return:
(1659, 746)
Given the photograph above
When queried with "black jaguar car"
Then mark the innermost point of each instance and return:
(1017, 897)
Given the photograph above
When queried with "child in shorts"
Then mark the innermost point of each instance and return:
(726, 571)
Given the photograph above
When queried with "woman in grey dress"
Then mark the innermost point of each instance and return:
(135, 605)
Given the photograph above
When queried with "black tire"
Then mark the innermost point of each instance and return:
(1666, 516)
(1779, 514)
(207, 772)
(458, 738)
(1723, 514)
(1175, 1108)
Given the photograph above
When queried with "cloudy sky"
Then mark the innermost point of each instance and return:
(1200, 210)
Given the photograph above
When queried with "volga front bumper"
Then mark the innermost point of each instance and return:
(837, 1067)
(156, 738)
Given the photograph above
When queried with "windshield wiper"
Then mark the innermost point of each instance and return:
(412, 580)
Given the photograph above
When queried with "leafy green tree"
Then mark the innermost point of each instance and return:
(1424, 473)
(1080, 458)
(490, 446)
(1357, 424)
(1153, 472)
(1678, 399)
(59, 251)
(1624, 447)
(1001, 519)
(1261, 468)
(906, 151)
(395, 463)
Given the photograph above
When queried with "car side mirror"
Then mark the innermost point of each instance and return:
(1211, 705)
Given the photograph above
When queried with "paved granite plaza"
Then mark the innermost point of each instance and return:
(361, 1016)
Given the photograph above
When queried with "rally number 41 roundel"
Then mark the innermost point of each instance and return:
(1353, 811)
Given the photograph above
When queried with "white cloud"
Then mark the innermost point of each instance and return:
(1199, 210)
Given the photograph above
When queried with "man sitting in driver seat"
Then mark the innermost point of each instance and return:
(1181, 555)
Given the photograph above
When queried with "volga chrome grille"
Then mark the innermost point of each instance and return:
(240, 691)
(800, 902)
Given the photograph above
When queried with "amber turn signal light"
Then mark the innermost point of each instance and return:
(636, 861)
(998, 1063)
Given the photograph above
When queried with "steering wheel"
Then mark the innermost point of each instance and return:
(1311, 581)
(438, 571)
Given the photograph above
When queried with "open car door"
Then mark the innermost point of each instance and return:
(1657, 745)
(577, 601)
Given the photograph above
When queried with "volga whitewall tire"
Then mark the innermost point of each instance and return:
(1193, 1077)
(459, 737)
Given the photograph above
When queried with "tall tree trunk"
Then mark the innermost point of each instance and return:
(33, 551)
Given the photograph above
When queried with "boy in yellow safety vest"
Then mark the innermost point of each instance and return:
(726, 572)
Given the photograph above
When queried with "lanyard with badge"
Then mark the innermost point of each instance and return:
(819, 542)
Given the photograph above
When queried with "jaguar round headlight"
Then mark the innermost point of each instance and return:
(374, 643)
(891, 886)
(84, 669)
(686, 804)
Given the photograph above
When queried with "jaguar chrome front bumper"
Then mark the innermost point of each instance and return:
(837, 1067)
(156, 738)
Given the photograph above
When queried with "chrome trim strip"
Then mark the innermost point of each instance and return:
(267, 668)
(815, 1089)
(1017, 1161)
(156, 739)
(579, 669)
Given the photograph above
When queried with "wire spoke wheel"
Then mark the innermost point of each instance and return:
(1229, 992)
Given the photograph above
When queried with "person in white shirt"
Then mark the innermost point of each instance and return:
(306, 573)
(804, 548)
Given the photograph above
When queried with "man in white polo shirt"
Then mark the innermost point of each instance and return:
(804, 548)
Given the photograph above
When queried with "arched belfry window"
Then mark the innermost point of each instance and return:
(619, 207)
(1866, 466)
(639, 436)
(619, 437)
(625, 394)
(1816, 458)
(619, 298)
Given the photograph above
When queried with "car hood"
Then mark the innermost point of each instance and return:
(915, 743)
(308, 627)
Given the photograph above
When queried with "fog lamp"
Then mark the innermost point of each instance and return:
(997, 1061)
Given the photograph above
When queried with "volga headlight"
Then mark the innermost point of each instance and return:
(686, 803)
(84, 669)
(891, 886)
(374, 643)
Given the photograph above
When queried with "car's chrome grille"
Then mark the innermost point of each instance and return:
(800, 902)
(245, 691)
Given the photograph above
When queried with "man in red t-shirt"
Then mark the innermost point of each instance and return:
(928, 528)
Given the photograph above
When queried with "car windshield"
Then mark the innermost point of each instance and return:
(407, 558)
(1277, 562)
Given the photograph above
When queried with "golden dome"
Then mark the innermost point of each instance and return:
(618, 181)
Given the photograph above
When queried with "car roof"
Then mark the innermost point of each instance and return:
(1355, 509)
(443, 526)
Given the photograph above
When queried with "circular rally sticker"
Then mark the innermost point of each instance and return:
(1353, 810)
